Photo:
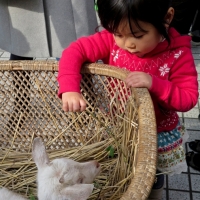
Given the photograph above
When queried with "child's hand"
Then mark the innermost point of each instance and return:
(73, 102)
(138, 79)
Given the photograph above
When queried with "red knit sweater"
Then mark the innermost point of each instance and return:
(174, 77)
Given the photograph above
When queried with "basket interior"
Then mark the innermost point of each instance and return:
(30, 108)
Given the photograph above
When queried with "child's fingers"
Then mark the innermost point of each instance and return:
(139, 79)
(65, 107)
(82, 105)
(132, 81)
(71, 107)
(73, 102)
(75, 106)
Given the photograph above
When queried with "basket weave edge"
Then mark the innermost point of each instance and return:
(147, 148)
(148, 153)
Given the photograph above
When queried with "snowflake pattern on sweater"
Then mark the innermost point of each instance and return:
(160, 66)
(157, 66)
(164, 70)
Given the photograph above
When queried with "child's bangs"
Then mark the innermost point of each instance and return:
(113, 15)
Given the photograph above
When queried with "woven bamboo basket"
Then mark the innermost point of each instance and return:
(118, 128)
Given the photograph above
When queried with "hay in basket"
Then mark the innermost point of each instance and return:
(118, 128)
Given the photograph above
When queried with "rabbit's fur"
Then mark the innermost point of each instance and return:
(59, 179)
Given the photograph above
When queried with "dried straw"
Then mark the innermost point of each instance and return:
(114, 149)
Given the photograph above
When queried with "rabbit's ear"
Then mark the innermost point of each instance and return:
(77, 191)
(39, 154)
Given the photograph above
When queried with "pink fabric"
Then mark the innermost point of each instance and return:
(174, 77)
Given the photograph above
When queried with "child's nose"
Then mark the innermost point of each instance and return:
(130, 46)
(131, 49)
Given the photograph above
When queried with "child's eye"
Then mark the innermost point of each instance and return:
(139, 36)
(118, 35)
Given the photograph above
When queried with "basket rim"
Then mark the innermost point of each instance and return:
(146, 162)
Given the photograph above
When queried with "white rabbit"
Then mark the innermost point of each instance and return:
(59, 179)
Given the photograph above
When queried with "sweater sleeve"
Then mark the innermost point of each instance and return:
(85, 49)
(180, 91)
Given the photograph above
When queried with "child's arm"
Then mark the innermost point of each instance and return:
(85, 49)
(180, 92)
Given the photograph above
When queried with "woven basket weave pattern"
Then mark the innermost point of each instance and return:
(30, 107)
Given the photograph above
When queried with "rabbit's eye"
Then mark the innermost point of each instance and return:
(80, 180)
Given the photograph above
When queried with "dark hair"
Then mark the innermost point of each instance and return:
(112, 12)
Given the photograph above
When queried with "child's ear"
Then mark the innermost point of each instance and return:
(39, 154)
(169, 17)
(77, 191)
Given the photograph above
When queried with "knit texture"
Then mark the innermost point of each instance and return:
(174, 77)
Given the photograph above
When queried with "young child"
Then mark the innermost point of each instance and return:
(138, 37)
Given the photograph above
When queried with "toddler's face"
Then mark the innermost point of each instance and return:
(141, 42)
